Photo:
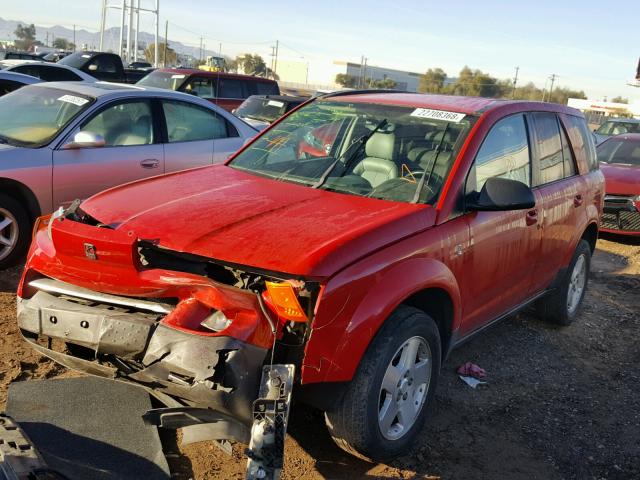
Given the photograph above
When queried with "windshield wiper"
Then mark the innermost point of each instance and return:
(362, 141)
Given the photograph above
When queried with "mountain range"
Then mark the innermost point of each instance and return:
(91, 40)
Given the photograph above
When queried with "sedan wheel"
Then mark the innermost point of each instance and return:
(8, 233)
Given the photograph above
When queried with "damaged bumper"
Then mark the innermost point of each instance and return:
(134, 340)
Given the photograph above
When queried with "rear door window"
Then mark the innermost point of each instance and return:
(582, 140)
(504, 153)
(189, 123)
(266, 88)
(231, 88)
(548, 147)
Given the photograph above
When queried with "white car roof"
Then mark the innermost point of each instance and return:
(84, 76)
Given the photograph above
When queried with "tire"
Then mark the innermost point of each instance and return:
(354, 424)
(562, 305)
(15, 231)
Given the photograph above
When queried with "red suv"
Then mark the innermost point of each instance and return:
(351, 275)
(227, 90)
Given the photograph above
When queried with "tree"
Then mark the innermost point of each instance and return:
(25, 36)
(254, 65)
(150, 52)
(562, 94)
(346, 80)
(63, 44)
(432, 81)
(386, 83)
(620, 99)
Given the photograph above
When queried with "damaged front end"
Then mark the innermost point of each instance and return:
(210, 341)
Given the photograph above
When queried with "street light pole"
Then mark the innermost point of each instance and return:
(103, 18)
(124, 10)
(515, 81)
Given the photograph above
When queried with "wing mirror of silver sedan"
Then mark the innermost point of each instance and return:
(85, 140)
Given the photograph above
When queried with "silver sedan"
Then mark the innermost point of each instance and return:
(60, 141)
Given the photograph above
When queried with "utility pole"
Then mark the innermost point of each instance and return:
(275, 63)
(364, 73)
(166, 40)
(74, 38)
(124, 10)
(553, 79)
(200, 51)
(103, 19)
(130, 32)
(155, 60)
(135, 48)
(515, 81)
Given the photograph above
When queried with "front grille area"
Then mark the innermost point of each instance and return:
(621, 220)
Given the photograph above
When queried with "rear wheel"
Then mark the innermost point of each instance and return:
(563, 304)
(385, 405)
(14, 231)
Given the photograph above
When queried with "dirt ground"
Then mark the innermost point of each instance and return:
(561, 403)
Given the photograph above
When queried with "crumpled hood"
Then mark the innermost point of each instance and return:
(236, 217)
(621, 179)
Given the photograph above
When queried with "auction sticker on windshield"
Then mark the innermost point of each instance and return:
(275, 103)
(73, 99)
(454, 117)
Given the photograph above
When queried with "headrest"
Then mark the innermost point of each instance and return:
(381, 145)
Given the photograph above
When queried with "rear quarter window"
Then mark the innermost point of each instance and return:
(582, 141)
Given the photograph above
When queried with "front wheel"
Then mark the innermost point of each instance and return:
(563, 304)
(385, 405)
(14, 231)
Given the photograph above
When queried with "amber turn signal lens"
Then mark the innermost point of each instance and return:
(285, 302)
(40, 223)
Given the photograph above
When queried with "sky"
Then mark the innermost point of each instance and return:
(586, 44)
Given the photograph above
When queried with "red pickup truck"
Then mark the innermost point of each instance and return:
(351, 274)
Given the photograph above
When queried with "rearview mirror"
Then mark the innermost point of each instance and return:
(85, 140)
(502, 194)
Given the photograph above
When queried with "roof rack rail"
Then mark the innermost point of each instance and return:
(363, 91)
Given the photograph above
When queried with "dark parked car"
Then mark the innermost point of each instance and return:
(103, 66)
(352, 274)
(261, 110)
(8, 55)
(227, 90)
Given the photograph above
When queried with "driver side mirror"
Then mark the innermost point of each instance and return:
(502, 194)
(85, 140)
(93, 67)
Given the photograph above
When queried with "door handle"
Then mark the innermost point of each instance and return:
(150, 163)
(532, 217)
(577, 200)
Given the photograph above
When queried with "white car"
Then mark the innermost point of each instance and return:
(49, 72)
(74, 139)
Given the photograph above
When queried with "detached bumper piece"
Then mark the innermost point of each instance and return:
(19, 459)
(125, 339)
(270, 418)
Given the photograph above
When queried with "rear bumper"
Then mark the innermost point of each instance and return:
(216, 372)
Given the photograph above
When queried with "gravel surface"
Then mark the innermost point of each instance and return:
(560, 403)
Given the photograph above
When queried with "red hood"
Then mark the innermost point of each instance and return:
(225, 214)
(621, 179)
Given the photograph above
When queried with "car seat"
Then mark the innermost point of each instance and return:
(378, 165)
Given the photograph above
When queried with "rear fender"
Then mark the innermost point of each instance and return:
(363, 299)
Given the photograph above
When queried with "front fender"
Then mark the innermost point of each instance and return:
(355, 304)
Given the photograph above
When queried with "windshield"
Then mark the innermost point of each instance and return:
(263, 109)
(618, 128)
(166, 80)
(380, 151)
(620, 151)
(43, 113)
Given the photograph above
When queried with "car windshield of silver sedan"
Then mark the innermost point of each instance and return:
(620, 151)
(388, 152)
(33, 116)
